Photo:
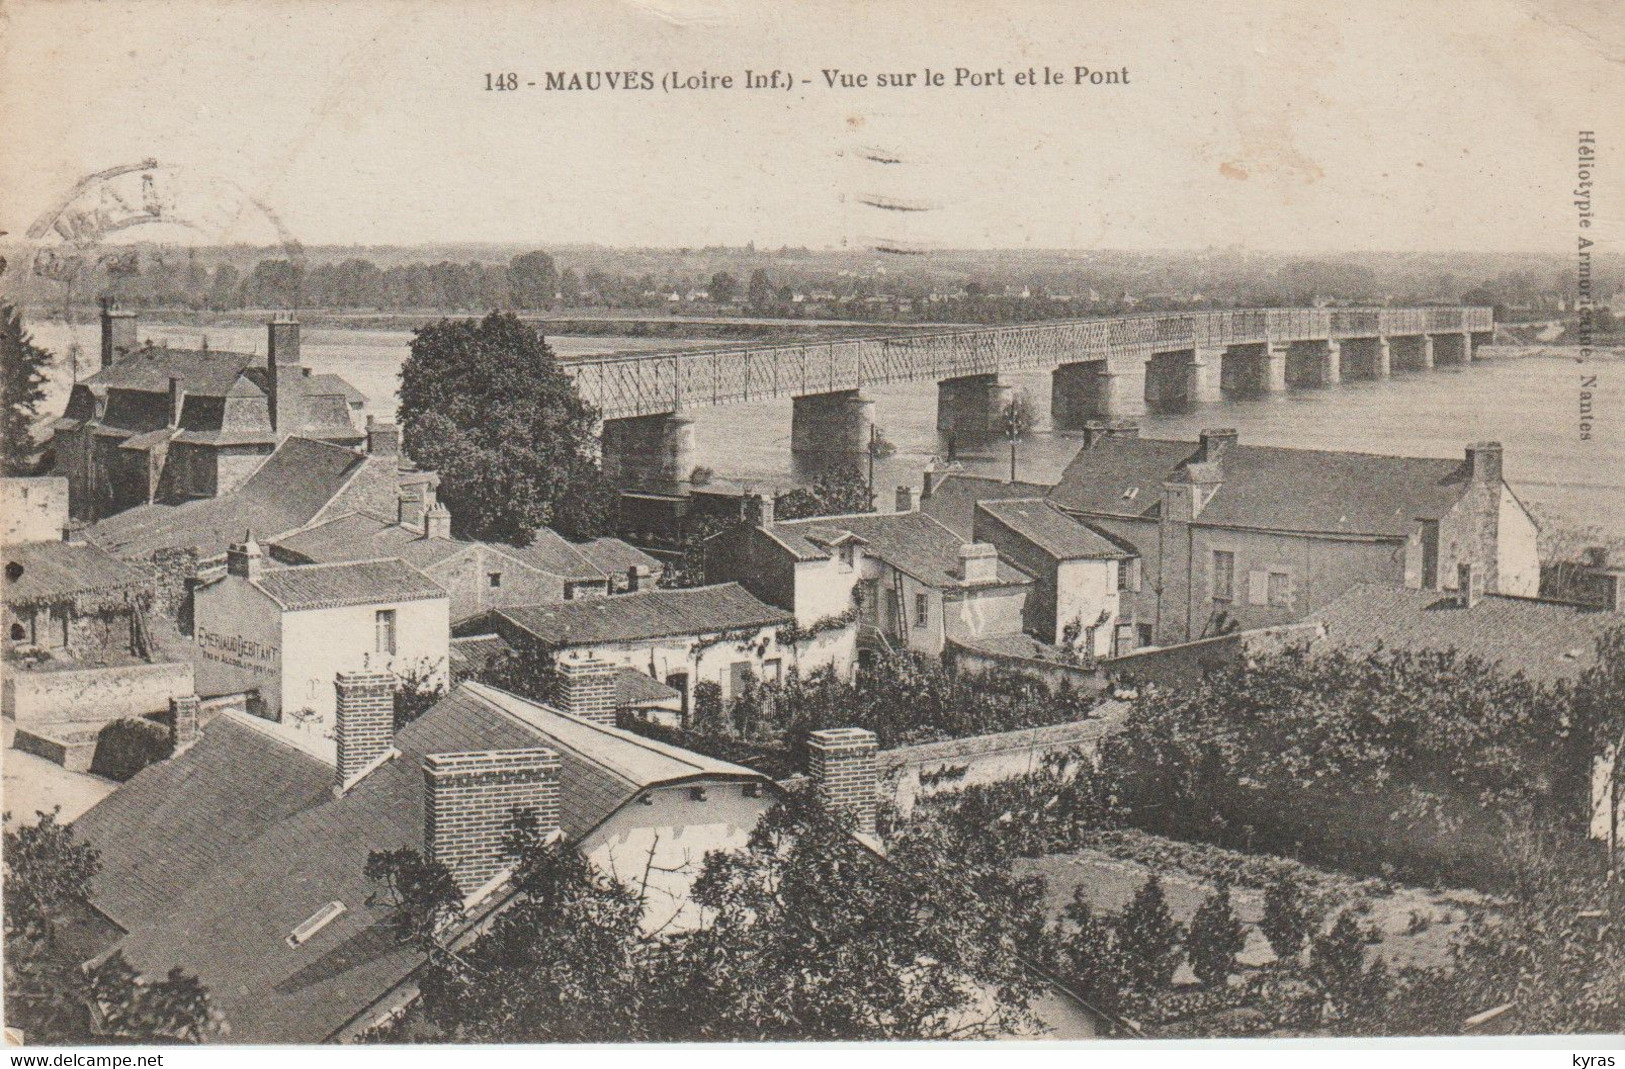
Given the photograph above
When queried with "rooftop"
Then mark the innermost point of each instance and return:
(1545, 640)
(1053, 531)
(952, 502)
(646, 614)
(1267, 487)
(911, 542)
(57, 571)
(363, 582)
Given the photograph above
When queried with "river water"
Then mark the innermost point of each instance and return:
(1528, 399)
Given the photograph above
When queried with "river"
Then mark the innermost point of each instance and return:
(1528, 399)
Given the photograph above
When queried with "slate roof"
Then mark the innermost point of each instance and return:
(286, 492)
(911, 542)
(364, 582)
(1545, 640)
(953, 500)
(59, 570)
(172, 823)
(210, 373)
(646, 614)
(1266, 487)
(1053, 531)
(230, 925)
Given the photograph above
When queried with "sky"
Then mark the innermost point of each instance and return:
(1275, 126)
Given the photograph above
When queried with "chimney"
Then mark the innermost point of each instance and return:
(841, 764)
(1469, 585)
(437, 523)
(1216, 443)
(1613, 590)
(759, 509)
(118, 333)
(363, 723)
(978, 562)
(1096, 431)
(931, 479)
(905, 499)
(283, 369)
(587, 687)
(183, 729)
(1484, 462)
(177, 399)
(470, 799)
(383, 439)
(243, 558)
(636, 577)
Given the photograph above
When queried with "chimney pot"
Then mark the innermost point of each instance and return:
(905, 499)
(470, 800)
(244, 559)
(437, 523)
(183, 726)
(842, 765)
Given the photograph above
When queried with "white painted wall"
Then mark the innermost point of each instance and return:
(1084, 589)
(1518, 555)
(824, 587)
(237, 630)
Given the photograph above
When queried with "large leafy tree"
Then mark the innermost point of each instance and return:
(532, 280)
(48, 993)
(23, 368)
(486, 404)
(839, 491)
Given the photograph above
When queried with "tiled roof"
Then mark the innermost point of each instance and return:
(702, 610)
(953, 500)
(170, 825)
(1266, 487)
(911, 542)
(326, 383)
(470, 654)
(612, 556)
(363, 582)
(230, 926)
(207, 374)
(1052, 530)
(632, 687)
(1545, 640)
(59, 570)
(552, 553)
(603, 767)
(1016, 644)
(285, 493)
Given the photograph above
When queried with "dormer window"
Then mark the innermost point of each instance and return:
(315, 923)
(1131, 493)
(849, 554)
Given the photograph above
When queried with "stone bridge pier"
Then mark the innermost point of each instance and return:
(1314, 363)
(1366, 358)
(831, 423)
(971, 408)
(1178, 381)
(1254, 368)
(1411, 352)
(1096, 389)
(1451, 349)
(648, 451)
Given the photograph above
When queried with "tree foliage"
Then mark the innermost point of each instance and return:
(1288, 918)
(1216, 936)
(486, 404)
(839, 491)
(1149, 936)
(48, 993)
(23, 371)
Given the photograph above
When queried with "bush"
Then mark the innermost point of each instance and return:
(1148, 937)
(1216, 937)
(124, 747)
(1287, 921)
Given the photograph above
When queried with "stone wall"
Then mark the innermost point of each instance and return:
(92, 696)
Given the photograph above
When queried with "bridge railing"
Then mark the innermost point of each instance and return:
(649, 383)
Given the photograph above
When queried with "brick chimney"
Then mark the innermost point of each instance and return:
(637, 577)
(363, 723)
(978, 562)
(1096, 431)
(587, 687)
(1215, 443)
(469, 801)
(759, 509)
(842, 765)
(118, 333)
(383, 438)
(177, 400)
(283, 369)
(905, 499)
(1484, 462)
(183, 727)
(243, 558)
(1469, 585)
(437, 523)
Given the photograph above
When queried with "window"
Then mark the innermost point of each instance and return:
(494, 578)
(922, 610)
(384, 625)
(848, 555)
(1125, 574)
(1280, 588)
(773, 670)
(1224, 575)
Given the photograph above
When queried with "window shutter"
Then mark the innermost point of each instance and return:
(1258, 588)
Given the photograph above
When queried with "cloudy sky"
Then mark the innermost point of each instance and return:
(1369, 125)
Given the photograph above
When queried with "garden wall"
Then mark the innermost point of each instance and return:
(1184, 664)
(93, 696)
